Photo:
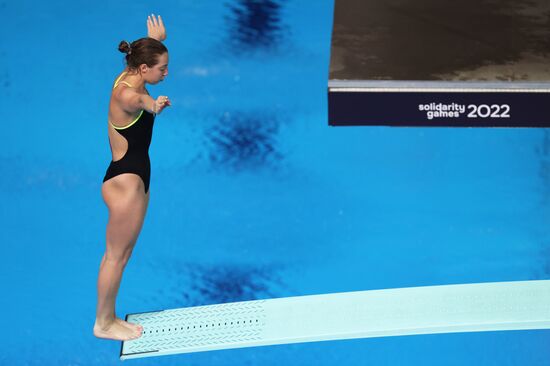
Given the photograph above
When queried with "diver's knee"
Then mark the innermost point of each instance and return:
(118, 258)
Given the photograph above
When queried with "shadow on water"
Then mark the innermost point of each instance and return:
(243, 142)
(199, 284)
(254, 25)
(221, 284)
(5, 80)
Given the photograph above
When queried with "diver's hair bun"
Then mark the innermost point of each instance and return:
(124, 47)
(142, 51)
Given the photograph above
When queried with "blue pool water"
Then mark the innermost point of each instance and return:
(252, 194)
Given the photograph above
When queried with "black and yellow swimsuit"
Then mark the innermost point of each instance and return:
(138, 134)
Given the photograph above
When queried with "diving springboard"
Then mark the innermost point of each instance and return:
(376, 313)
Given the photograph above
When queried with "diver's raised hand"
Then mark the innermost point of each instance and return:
(155, 28)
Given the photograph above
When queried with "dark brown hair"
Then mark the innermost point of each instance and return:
(142, 51)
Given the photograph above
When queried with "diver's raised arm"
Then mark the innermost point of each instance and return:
(155, 28)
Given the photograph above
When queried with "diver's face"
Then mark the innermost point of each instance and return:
(158, 72)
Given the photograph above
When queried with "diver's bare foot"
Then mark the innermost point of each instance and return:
(116, 331)
(137, 327)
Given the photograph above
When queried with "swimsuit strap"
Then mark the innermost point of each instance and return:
(130, 85)
(122, 82)
(125, 82)
(129, 124)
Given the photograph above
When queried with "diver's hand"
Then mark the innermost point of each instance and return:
(161, 103)
(155, 28)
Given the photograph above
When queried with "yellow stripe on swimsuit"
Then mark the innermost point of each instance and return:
(130, 85)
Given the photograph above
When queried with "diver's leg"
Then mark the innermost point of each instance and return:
(127, 203)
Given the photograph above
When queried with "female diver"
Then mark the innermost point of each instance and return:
(125, 188)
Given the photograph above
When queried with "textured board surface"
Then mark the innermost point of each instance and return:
(362, 314)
